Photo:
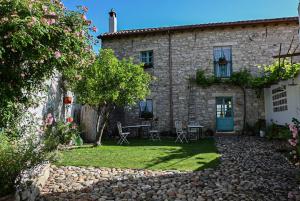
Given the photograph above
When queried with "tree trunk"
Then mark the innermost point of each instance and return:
(103, 115)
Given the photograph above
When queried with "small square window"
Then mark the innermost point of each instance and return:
(146, 57)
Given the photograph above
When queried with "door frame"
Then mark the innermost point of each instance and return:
(232, 112)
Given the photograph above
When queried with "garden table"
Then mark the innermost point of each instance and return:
(138, 127)
(198, 127)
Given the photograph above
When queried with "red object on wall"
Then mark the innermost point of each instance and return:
(70, 119)
(67, 100)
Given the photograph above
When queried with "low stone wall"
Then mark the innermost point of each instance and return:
(33, 184)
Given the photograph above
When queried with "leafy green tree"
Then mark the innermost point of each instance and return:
(110, 82)
(37, 39)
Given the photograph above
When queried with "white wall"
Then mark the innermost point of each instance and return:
(293, 102)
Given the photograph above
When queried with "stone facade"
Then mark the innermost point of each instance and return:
(177, 55)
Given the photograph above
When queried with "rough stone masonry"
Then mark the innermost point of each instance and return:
(178, 53)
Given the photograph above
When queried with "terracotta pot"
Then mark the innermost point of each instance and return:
(70, 119)
(67, 100)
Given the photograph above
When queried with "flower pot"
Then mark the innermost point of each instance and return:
(70, 119)
(222, 61)
(262, 133)
(67, 100)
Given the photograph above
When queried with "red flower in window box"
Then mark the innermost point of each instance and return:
(68, 100)
(70, 119)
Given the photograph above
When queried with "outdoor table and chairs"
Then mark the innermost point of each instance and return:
(138, 128)
(194, 130)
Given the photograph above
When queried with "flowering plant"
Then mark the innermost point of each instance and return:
(294, 140)
(37, 39)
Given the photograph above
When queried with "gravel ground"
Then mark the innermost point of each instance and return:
(250, 169)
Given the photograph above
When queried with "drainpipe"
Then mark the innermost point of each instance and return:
(170, 82)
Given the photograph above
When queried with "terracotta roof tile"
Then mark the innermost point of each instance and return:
(197, 26)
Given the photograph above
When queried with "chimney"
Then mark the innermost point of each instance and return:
(112, 21)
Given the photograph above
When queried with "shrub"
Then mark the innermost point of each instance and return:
(280, 132)
(62, 133)
(17, 156)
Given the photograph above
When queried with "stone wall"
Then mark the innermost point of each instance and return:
(192, 50)
(33, 183)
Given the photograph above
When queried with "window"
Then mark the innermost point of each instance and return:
(279, 98)
(222, 61)
(146, 109)
(147, 58)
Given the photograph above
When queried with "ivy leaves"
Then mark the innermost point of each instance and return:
(268, 75)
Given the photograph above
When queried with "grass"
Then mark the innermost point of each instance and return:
(145, 154)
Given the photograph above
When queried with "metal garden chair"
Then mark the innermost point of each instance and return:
(181, 134)
(154, 133)
(123, 135)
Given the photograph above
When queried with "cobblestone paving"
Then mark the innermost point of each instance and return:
(250, 169)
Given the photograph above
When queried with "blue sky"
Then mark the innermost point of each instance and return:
(133, 14)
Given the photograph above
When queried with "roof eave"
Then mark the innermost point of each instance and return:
(197, 26)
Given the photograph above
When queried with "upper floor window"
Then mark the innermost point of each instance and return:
(146, 57)
(222, 61)
(146, 109)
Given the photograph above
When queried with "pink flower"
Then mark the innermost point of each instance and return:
(293, 142)
(295, 132)
(291, 127)
(290, 195)
(94, 29)
(45, 8)
(57, 54)
(85, 9)
(33, 21)
(84, 17)
(49, 120)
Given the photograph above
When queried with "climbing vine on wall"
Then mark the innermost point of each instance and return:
(268, 75)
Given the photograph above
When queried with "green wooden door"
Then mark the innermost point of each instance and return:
(224, 114)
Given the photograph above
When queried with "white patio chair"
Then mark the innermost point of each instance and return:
(181, 134)
(123, 135)
(154, 133)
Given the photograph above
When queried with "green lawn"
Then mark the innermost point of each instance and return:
(145, 154)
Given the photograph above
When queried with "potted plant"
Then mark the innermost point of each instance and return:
(262, 127)
(146, 115)
(70, 119)
(148, 65)
(67, 99)
(222, 61)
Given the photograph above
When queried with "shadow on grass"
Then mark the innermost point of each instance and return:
(185, 154)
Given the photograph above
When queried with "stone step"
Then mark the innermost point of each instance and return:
(224, 134)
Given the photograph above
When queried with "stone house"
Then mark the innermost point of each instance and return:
(174, 54)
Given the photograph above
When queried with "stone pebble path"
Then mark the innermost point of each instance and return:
(250, 169)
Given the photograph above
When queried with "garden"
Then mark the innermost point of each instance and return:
(41, 40)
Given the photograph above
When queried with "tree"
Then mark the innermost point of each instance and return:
(110, 82)
(37, 39)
